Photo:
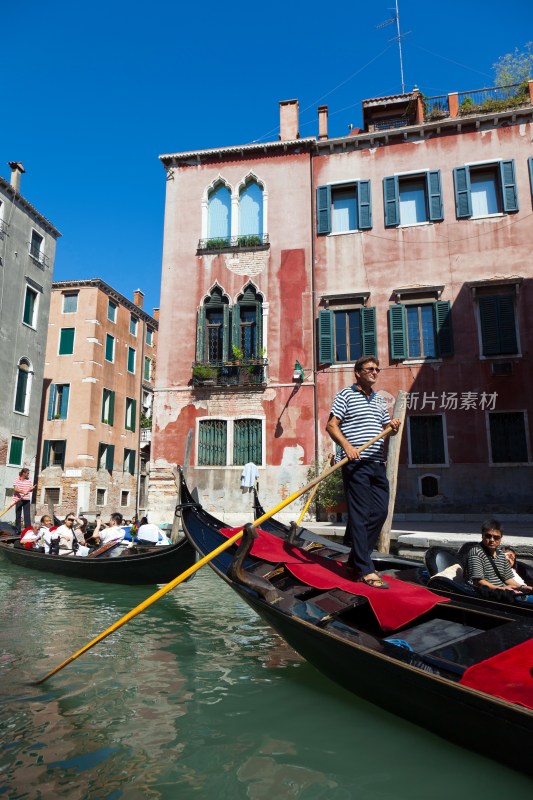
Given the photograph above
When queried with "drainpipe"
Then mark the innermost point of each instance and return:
(313, 301)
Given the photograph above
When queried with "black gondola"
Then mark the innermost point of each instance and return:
(424, 670)
(140, 565)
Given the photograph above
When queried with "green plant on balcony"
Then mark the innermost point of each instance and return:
(202, 373)
(216, 244)
(238, 353)
(251, 240)
(146, 422)
(467, 106)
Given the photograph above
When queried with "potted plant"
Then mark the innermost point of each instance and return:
(238, 354)
(204, 374)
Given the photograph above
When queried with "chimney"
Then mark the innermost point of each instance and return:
(156, 314)
(138, 298)
(16, 171)
(288, 120)
(322, 123)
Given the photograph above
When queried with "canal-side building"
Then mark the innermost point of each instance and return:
(27, 253)
(408, 238)
(97, 400)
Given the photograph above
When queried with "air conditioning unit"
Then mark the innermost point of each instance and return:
(500, 368)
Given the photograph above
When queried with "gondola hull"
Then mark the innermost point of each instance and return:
(154, 565)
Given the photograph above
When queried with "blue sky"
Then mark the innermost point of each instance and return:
(93, 93)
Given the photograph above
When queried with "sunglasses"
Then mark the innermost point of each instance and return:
(371, 369)
(70, 519)
(495, 536)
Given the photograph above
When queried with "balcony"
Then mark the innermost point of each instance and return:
(233, 244)
(38, 256)
(248, 372)
(3, 228)
(500, 98)
(146, 435)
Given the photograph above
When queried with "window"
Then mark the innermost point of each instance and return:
(426, 440)
(108, 406)
(23, 386)
(485, 189)
(131, 360)
(106, 456)
(51, 495)
(230, 442)
(124, 498)
(497, 324)
(128, 464)
(420, 330)
(66, 341)
(212, 332)
(219, 214)
(251, 210)
(109, 348)
(58, 401)
(412, 199)
(36, 247)
(101, 497)
(147, 369)
(54, 453)
(131, 412)
(149, 336)
(217, 328)
(70, 302)
(134, 324)
(16, 451)
(29, 316)
(508, 440)
(247, 441)
(247, 323)
(345, 334)
(344, 207)
(212, 442)
(112, 311)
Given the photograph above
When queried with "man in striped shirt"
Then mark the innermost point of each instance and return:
(487, 565)
(357, 415)
(22, 489)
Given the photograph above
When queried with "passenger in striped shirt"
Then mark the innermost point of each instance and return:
(486, 563)
(22, 489)
(357, 415)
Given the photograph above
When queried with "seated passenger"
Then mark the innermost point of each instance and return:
(150, 534)
(30, 536)
(510, 555)
(113, 532)
(47, 527)
(68, 543)
(487, 566)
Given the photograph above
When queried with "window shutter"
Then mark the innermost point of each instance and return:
(364, 205)
(22, 385)
(398, 339)
(200, 324)
(46, 454)
(62, 454)
(508, 185)
(111, 410)
(463, 200)
(507, 324)
(132, 462)
(488, 317)
(443, 327)
(391, 200)
(15, 450)
(434, 195)
(66, 341)
(52, 400)
(368, 331)
(325, 336)
(323, 209)
(225, 332)
(109, 457)
(133, 414)
(63, 411)
(530, 165)
(259, 329)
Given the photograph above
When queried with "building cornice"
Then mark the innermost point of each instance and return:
(294, 145)
(16, 196)
(105, 287)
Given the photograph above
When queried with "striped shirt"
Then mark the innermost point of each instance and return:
(480, 566)
(22, 489)
(361, 418)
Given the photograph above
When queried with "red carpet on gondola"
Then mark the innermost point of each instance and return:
(508, 675)
(393, 607)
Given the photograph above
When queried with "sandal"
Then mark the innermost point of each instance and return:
(375, 583)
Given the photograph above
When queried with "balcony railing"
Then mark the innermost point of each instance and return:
(250, 242)
(396, 122)
(38, 255)
(3, 228)
(248, 372)
(498, 98)
(436, 107)
(146, 435)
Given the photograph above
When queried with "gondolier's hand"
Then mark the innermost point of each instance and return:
(351, 451)
(395, 425)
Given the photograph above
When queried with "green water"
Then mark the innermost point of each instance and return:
(197, 698)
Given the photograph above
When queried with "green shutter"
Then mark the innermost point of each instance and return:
(508, 186)
(131, 464)
(15, 451)
(63, 411)
(323, 209)
(22, 384)
(397, 331)
(368, 332)
(212, 442)
(111, 414)
(63, 451)
(247, 441)
(507, 324)
(391, 201)
(325, 336)
(52, 400)
(434, 195)
(443, 327)
(66, 341)
(200, 326)
(133, 415)
(131, 360)
(29, 305)
(259, 329)
(109, 347)
(463, 199)
(110, 457)
(225, 332)
(364, 205)
(498, 325)
(46, 454)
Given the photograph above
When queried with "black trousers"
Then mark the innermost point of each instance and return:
(366, 489)
(23, 506)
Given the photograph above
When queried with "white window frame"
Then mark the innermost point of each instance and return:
(149, 378)
(40, 257)
(446, 463)
(27, 397)
(110, 303)
(529, 462)
(479, 165)
(100, 489)
(33, 325)
(114, 348)
(151, 332)
(135, 320)
(128, 407)
(14, 436)
(44, 502)
(428, 499)
(127, 493)
(128, 370)
(229, 441)
(70, 294)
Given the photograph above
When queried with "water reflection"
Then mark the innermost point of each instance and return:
(196, 698)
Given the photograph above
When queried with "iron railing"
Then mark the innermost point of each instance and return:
(248, 372)
(493, 99)
(3, 228)
(436, 107)
(397, 122)
(38, 255)
(234, 242)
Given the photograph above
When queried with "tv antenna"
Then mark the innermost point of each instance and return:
(398, 37)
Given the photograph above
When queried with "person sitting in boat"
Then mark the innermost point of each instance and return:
(31, 535)
(487, 567)
(112, 532)
(71, 542)
(510, 555)
(150, 534)
(47, 528)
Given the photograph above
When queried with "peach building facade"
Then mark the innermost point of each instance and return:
(96, 406)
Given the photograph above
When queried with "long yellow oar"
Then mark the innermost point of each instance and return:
(14, 503)
(311, 495)
(206, 559)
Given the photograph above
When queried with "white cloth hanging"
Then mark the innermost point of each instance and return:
(249, 476)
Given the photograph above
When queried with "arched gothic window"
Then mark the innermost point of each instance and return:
(247, 328)
(251, 210)
(212, 331)
(219, 213)
(23, 387)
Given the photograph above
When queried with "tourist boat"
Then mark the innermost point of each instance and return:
(133, 566)
(460, 671)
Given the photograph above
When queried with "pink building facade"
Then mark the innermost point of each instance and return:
(409, 240)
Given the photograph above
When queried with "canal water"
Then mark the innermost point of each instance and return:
(197, 698)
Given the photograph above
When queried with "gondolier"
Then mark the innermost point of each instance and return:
(22, 489)
(358, 413)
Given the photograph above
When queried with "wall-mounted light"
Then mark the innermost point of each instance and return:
(298, 374)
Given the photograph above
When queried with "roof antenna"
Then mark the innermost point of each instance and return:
(399, 36)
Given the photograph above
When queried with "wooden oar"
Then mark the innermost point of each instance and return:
(205, 560)
(311, 495)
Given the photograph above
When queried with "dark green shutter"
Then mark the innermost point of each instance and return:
(62, 453)
(463, 199)
(15, 451)
(508, 185)
(498, 325)
(111, 414)
(22, 384)
(434, 195)
(66, 341)
(364, 205)
(63, 411)
(46, 454)
(235, 328)
(110, 457)
(131, 360)
(368, 332)
(132, 462)
(133, 414)
(52, 400)
(109, 348)
(225, 331)
(530, 165)
(397, 331)
(443, 327)
(200, 326)
(323, 209)
(212, 442)
(259, 329)
(29, 305)
(325, 336)
(391, 201)
(507, 324)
